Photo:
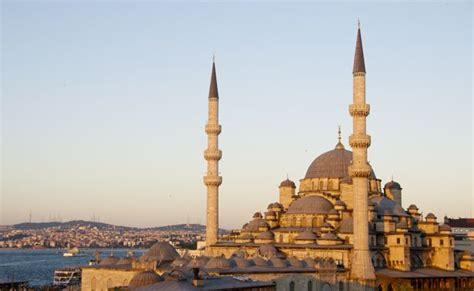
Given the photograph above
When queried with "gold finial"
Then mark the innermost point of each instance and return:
(339, 145)
(358, 23)
(213, 57)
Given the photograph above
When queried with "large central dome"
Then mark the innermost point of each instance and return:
(332, 164)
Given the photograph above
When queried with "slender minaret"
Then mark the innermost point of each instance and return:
(212, 155)
(362, 268)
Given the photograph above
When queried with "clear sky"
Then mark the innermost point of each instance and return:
(104, 104)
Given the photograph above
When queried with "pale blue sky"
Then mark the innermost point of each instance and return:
(104, 104)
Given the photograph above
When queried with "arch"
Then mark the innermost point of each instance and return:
(321, 185)
(310, 285)
(125, 282)
(292, 286)
(378, 260)
(326, 287)
(390, 287)
(293, 221)
(379, 288)
(281, 238)
(415, 241)
(93, 284)
(416, 261)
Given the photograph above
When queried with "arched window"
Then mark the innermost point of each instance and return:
(321, 184)
(441, 242)
(293, 223)
(429, 242)
(341, 286)
(292, 286)
(281, 238)
(303, 222)
(326, 287)
(415, 241)
(398, 240)
(310, 285)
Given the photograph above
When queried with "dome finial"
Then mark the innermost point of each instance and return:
(339, 145)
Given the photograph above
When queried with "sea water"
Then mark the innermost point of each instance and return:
(37, 266)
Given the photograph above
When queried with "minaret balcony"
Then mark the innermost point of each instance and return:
(359, 141)
(359, 110)
(212, 180)
(213, 128)
(359, 171)
(212, 155)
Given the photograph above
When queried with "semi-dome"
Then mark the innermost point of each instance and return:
(332, 164)
(161, 251)
(310, 205)
(307, 235)
(144, 278)
(386, 206)
(266, 235)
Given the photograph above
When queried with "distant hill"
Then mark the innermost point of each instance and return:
(100, 225)
(69, 224)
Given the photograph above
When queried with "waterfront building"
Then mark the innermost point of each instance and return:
(338, 230)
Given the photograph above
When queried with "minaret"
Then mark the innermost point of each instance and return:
(362, 268)
(212, 155)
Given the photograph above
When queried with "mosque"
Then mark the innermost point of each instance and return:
(338, 230)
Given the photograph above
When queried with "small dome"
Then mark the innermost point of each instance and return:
(412, 207)
(430, 216)
(340, 203)
(124, 261)
(180, 262)
(161, 251)
(306, 235)
(219, 263)
(260, 262)
(242, 262)
(266, 235)
(310, 205)
(288, 183)
(444, 227)
(144, 278)
(278, 263)
(294, 262)
(332, 164)
(309, 262)
(257, 215)
(198, 262)
(110, 260)
(392, 185)
(329, 236)
(270, 213)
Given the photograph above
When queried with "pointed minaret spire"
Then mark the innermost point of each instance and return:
(359, 63)
(213, 92)
(212, 154)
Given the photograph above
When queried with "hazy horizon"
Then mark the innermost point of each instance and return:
(104, 104)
